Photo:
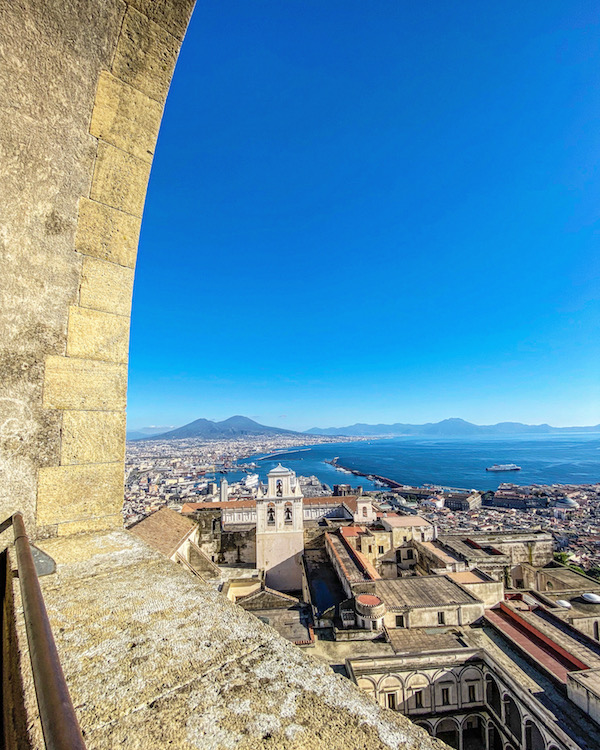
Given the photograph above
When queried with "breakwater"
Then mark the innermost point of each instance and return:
(384, 481)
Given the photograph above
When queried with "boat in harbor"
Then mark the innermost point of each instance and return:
(504, 467)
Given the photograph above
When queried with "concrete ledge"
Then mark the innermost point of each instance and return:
(156, 658)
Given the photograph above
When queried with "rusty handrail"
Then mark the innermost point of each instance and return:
(57, 715)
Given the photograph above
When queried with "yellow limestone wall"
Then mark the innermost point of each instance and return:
(82, 89)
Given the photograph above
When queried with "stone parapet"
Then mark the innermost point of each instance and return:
(155, 658)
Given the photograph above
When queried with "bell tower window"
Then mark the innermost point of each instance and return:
(288, 513)
(271, 515)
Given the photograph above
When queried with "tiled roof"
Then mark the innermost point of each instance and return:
(164, 530)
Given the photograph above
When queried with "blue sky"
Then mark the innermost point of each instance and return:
(379, 212)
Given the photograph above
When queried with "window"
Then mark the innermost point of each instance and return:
(419, 699)
(441, 618)
(288, 513)
(445, 696)
(370, 548)
(391, 701)
(271, 515)
(472, 695)
(409, 554)
(399, 621)
(380, 549)
(364, 511)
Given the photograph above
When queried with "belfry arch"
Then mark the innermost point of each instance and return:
(81, 99)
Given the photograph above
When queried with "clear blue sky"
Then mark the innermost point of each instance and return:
(374, 211)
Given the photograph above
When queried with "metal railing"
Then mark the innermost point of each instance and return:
(57, 715)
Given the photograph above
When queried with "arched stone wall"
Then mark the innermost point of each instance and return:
(82, 89)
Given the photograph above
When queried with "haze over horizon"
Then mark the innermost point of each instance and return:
(382, 213)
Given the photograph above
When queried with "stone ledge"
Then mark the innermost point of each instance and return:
(156, 658)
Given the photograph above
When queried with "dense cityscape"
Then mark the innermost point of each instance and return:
(169, 473)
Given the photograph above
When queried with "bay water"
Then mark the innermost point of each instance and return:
(572, 458)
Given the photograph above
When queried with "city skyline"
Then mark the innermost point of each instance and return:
(373, 214)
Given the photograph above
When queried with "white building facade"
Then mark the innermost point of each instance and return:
(280, 531)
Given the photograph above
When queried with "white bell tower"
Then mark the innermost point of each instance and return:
(280, 531)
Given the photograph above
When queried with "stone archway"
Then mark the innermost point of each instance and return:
(512, 718)
(448, 731)
(83, 89)
(534, 740)
(492, 695)
(473, 730)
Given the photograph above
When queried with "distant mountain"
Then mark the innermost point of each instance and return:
(453, 427)
(232, 427)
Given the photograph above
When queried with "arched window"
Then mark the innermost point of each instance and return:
(473, 733)
(364, 511)
(271, 515)
(492, 696)
(533, 737)
(279, 491)
(447, 731)
(494, 738)
(287, 513)
(512, 717)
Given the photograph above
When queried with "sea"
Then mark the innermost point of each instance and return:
(572, 458)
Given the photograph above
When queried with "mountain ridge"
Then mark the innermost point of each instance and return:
(454, 427)
(231, 427)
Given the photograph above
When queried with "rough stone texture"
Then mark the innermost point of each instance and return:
(106, 233)
(92, 437)
(69, 493)
(84, 384)
(155, 658)
(171, 15)
(50, 59)
(120, 180)
(125, 117)
(106, 286)
(145, 56)
(97, 335)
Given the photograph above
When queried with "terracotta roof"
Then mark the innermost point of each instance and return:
(326, 500)
(164, 530)
(351, 531)
(350, 502)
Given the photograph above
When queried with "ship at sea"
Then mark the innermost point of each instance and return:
(504, 467)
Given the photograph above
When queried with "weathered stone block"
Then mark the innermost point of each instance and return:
(73, 493)
(125, 117)
(172, 15)
(104, 232)
(112, 521)
(106, 286)
(94, 334)
(145, 56)
(71, 383)
(92, 437)
(120, 180)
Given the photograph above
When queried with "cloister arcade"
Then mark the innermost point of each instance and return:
(469, 707)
